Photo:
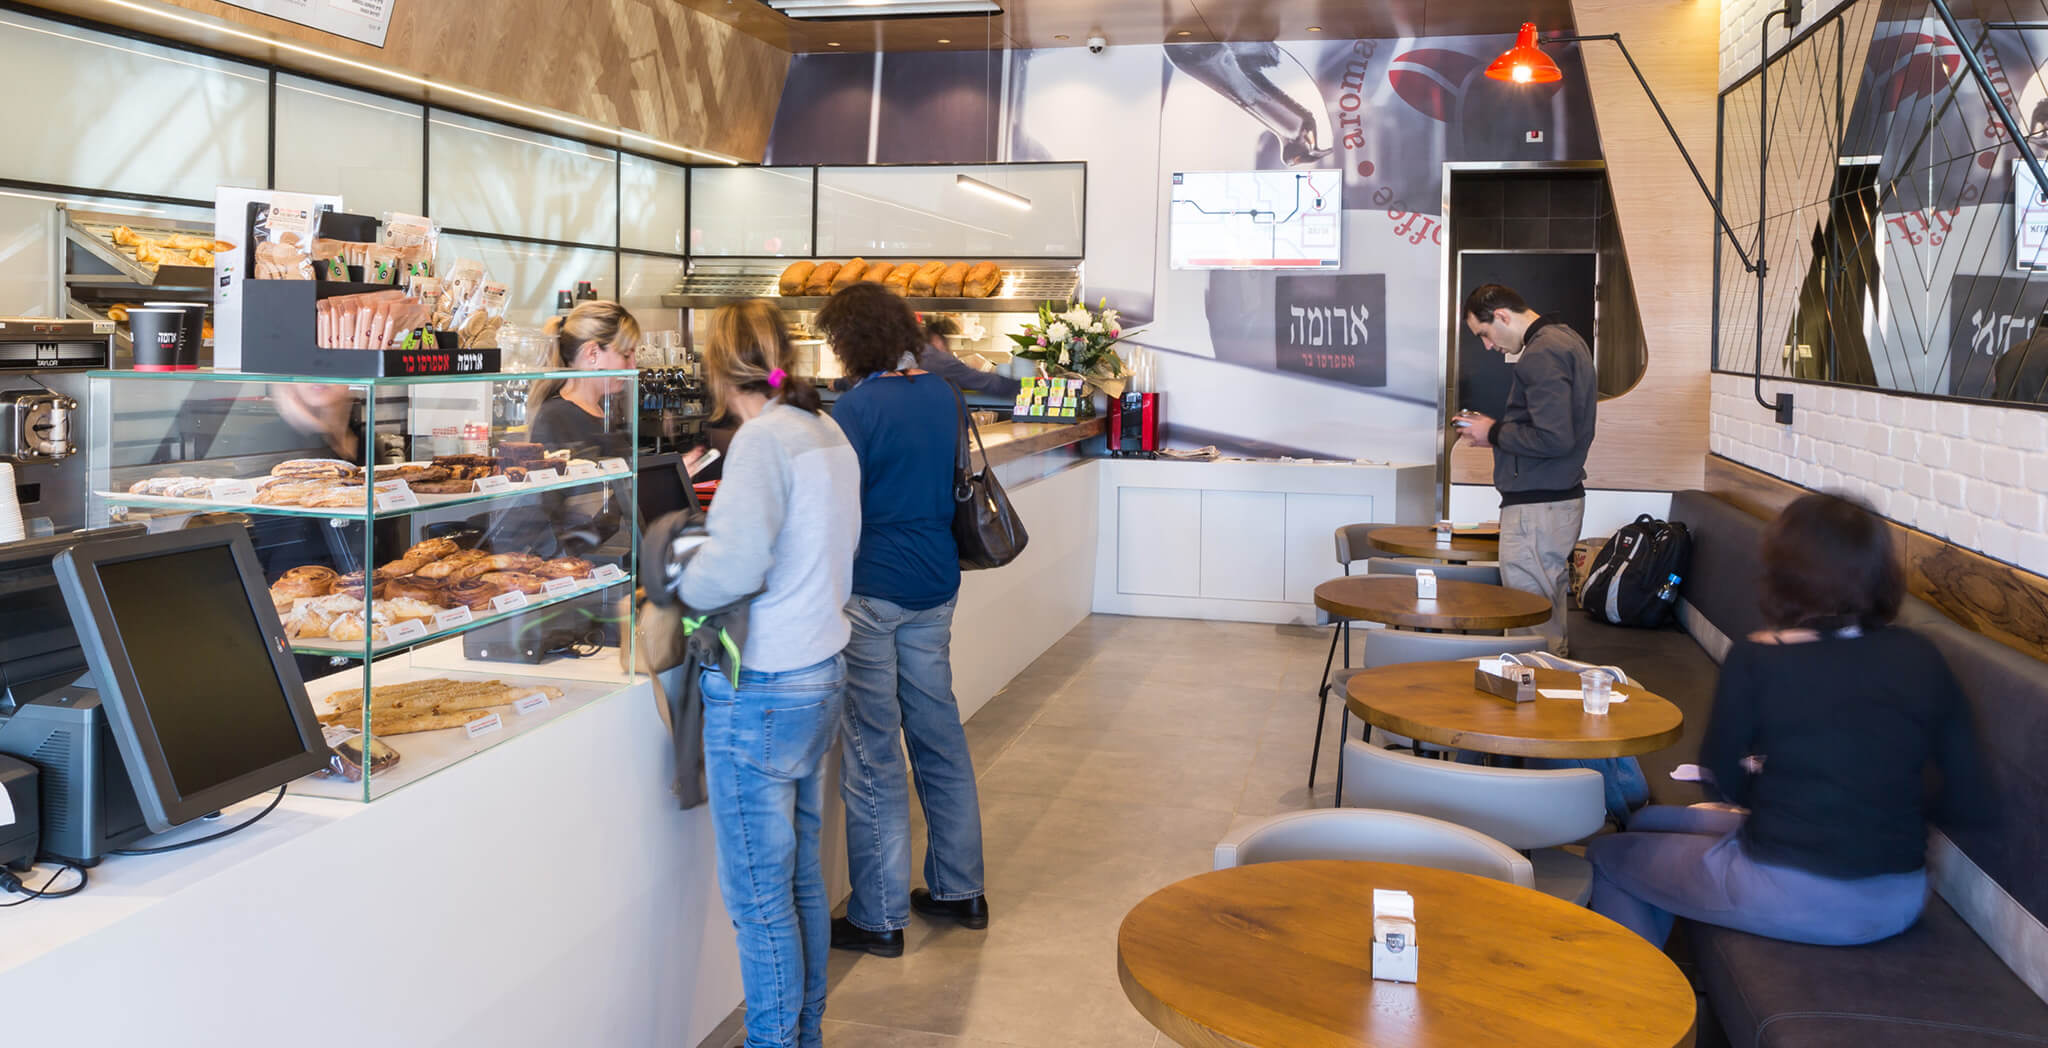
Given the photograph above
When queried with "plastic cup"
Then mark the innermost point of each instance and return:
(1596, 691)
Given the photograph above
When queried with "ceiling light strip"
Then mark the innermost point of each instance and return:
(392, 74)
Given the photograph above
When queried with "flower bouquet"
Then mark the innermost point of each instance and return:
(1080, 341)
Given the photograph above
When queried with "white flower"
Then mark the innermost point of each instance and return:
(1058, 332)
(1066, 356)
(1078, 317)
(1095, 328)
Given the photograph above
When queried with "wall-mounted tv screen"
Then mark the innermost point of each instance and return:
(1256, 220)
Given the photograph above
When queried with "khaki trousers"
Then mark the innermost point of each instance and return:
(1536, 543)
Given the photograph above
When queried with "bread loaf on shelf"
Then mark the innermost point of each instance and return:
(926, 279)
(795, 277)
(821, 279)
(899, 278)
(982, 280)
(879, 272)
(850, 274)
(949, 283)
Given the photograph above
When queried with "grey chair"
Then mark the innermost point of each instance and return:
(1393, 647)
(1363, 835)
(1352, 547)
(1526, 809)
(1487, 573)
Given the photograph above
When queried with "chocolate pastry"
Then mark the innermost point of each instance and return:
(564, 568)
(351, 585)
(531, 585)
(416, 588)
(474, 594)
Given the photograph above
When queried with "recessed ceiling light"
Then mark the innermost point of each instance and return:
(1315, 29)
(943, 40)
(1060, 36)
(831, 43)
(823, 10)
(1184, 32)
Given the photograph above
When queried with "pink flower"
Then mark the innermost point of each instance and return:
(1041, 340)
(1116, 332)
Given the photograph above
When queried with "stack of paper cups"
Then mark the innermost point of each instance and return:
(11, 529)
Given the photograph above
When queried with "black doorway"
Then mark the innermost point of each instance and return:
(1562, 285)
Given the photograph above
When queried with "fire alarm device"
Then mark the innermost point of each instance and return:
(1532, 137)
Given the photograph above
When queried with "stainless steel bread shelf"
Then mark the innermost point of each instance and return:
(1026, 286)
(813, 302)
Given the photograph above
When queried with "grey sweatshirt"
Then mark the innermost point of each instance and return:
(1541, 440)
(785, 524)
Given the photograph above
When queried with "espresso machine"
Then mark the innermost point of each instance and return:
(43, 361)
(675, 404)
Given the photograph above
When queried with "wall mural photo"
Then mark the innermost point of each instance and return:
(1336, 363)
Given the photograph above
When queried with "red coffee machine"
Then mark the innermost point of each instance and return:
(1134, 425)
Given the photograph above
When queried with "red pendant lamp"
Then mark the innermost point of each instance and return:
(1525, 63)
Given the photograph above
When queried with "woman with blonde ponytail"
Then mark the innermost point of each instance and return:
(584, 414)
(782, 535)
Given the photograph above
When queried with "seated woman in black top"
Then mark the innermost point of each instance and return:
(1822, 732)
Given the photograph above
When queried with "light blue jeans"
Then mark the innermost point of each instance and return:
(899, 681)
(1689, 862)
(764, 758)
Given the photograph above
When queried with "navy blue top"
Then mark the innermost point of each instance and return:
(905, 428)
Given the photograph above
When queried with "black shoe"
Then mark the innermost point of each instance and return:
(970, 913)
(847, 935)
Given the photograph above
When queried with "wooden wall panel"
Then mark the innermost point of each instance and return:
(1653, 437)
(651, 66)
(2005, 603)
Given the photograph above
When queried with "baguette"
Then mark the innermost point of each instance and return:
(795, 277)
(428, 722)
(821, 279)
(926, 279)
(849, 274)
(899, 277)
(878, 272)
(982, 280)
(949, 283)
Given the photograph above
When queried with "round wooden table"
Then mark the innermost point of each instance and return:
(1457, 606)
(1437, 702)
(1279, 955)
(1421, 542)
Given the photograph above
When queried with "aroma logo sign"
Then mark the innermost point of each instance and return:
(1332, 327)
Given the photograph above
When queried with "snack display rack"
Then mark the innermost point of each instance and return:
(467, 614)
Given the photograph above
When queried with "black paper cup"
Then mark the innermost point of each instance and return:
(157, 332)
(191, 331)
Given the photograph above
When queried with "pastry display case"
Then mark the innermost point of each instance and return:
(469, 584)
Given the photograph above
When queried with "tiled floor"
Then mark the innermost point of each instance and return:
(1109, 769)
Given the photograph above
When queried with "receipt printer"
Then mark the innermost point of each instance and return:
(20, 814)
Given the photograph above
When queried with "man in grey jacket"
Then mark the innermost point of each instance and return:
(1539, 446)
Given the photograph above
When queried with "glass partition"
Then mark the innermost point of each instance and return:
(365, 147)
(750, 211)
(533, 273)
(489, 178)
(919, 210)
(651, 202)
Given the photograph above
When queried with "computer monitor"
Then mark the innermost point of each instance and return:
(200, 688)
(664, 487)
(38, 649)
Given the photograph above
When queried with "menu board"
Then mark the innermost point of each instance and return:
(1045, 399)
(364, 20)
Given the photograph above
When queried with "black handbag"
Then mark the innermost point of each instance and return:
(985, 525)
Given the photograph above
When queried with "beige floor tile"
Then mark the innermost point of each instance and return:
(1166, 712)
(858, 1035)
(1116, 768)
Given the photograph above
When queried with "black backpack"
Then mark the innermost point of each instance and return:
(1636, 578)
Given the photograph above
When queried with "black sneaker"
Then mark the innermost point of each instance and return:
(847, 935)
(969, 913)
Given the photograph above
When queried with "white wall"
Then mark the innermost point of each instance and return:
(1976, 475)
(1739, 37)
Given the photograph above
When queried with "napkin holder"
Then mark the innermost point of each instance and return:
(1394, 956)
(1513, 683)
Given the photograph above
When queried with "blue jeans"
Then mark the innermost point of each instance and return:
(1626, 786)
(899, 681)
(1690, 862)
(764, 758)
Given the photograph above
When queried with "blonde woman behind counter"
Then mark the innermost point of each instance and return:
(586, 415)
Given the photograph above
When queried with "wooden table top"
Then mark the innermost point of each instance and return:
(1420, 541)
(1279, 955)
(1457, 606)
(1437, 702)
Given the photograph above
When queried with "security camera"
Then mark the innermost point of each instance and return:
(1096, 44)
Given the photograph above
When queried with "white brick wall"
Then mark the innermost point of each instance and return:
(1974, 474)
(1739, 20)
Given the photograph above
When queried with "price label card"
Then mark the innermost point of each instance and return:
(608, 573)
(483, 726)
(396, 494)
(234, 490)
(533, 703)
(493, 485)
(579, 468)
(512, 601)
(614, 465)
(409, 630)
(453, 617)
(558, 587)
(543, 476)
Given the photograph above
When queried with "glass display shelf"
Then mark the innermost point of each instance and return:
(390, 503)
(452, 622)
(210, 375)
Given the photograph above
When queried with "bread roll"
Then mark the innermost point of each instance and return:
(926, 281)
(309, 580)
(879, 272)
(899, 278)
(949, 283)
(795, 277)
(822, 278)
(850, 274)
(982, 280)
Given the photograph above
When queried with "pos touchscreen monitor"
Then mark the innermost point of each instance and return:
(199, 685)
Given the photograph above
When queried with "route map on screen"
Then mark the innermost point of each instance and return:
(1256, 220)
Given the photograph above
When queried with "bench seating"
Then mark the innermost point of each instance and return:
(1936, 986)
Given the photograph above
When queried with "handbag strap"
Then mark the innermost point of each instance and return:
(963, 465)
